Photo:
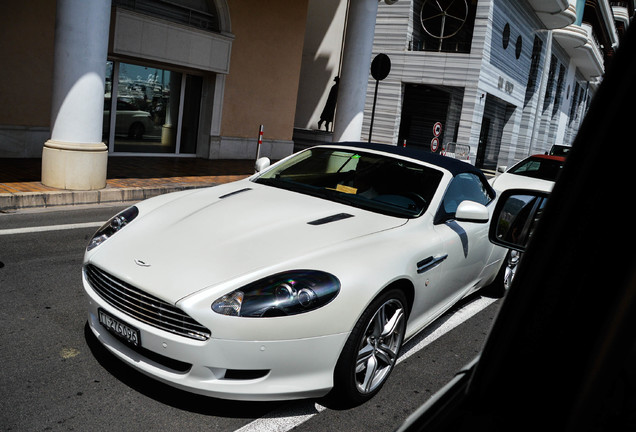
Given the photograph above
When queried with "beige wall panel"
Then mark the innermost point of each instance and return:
(27, 32)
(262, 85)
(140, 36)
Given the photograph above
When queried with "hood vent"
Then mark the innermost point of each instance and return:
(329, 219)
(234, 193)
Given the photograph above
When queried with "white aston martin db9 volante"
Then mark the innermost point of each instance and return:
(300, 281)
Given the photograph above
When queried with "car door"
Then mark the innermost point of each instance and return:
(466, 243)
(430, 287)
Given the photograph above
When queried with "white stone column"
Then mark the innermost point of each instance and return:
(75, 157)
(356, 65)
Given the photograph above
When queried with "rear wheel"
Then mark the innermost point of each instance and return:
(136, 131)
(502, 282)
(371, 350)
(512, 262)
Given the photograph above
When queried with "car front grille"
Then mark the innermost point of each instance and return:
(142, 306)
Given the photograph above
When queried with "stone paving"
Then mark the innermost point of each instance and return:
(128, 179)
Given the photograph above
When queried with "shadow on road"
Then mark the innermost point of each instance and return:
(169, 395)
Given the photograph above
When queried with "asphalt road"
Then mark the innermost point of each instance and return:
(56, 377)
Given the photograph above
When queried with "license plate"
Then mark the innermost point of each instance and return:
(119, 328)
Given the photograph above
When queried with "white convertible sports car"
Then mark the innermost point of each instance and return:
(302, 280)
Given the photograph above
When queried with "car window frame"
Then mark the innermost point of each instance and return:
(536, 166)
(442, 215)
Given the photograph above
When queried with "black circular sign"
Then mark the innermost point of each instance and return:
(380, 67)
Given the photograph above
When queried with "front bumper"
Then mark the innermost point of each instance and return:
(227, 369)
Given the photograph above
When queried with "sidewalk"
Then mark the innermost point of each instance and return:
(129, 179)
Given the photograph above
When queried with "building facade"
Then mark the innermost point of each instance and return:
(89, 79)
(92, 79)
(236, 64)
(492, 80)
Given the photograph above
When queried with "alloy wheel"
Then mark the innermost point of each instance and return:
(511, 268)
(380, 346)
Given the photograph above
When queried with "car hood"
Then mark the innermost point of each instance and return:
(188, 241)
(507, 181)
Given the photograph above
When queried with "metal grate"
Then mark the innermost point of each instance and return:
(142, 306)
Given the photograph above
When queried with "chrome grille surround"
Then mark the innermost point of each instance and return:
(142, 306)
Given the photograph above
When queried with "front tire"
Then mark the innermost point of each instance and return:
(372, 349)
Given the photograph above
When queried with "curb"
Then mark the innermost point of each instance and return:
(29, 200)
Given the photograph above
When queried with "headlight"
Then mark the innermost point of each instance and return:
(287, 293)
(116, 223)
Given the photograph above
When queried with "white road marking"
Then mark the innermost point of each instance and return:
(284, 419)
(436, 331)
(296, 413)
(26, 230)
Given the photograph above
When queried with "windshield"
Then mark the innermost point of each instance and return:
(373, 182)
(539, 167)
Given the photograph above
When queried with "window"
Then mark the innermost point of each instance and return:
(534, 69)
(443, 25)
(539, 167)
(518, 47)
(150, 110)
(464, 187)
(505, 38)
(373, 182)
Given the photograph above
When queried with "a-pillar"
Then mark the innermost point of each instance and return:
(356, 65)
(75, 157)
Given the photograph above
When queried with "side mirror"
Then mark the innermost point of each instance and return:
(261, 164)
(470, 211)
(515, 217)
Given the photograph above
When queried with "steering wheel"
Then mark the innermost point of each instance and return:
(415, 197)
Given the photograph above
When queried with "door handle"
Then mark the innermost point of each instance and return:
(428, 263)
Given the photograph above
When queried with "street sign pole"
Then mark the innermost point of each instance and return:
(380, 68)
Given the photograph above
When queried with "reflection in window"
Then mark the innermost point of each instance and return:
(515, 226)
(191, 111)
(148, 114)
